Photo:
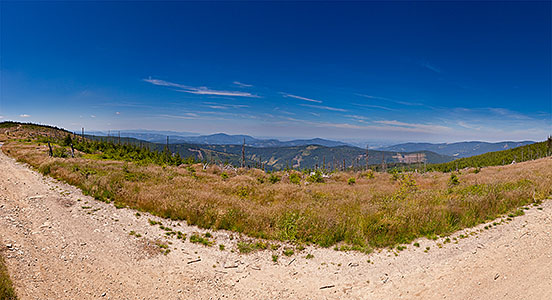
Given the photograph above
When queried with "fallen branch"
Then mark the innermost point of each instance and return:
(291, 261)
(327, 286)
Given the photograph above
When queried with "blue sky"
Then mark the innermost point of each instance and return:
(375, 71)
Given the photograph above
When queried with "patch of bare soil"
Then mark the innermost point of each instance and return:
(60, 244)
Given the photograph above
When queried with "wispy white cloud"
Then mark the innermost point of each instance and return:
(402, 102)
(374, 106)
(224, 106)
(422, 127)
(92, 116)
(165, 83)
(199, 90)
(468, 126)
(241, 84)
(315, 114)
(25, 116)
(284, 111)
(430, 67)
(117, 112)
(206, 91)
(507, 113)
(324, 107)
(380, 127)
(357, 117)
(300, 98)
(186, 116)
(372, 97)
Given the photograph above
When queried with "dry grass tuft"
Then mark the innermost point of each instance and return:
(7, 291)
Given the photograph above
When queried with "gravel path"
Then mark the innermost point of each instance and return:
(60, 244)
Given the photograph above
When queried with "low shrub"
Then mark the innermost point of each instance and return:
(273, 178)
(316, 177)
(295, 178)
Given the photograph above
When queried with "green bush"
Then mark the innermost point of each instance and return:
(273, 178)
(453, 180)
(60, 152)
(295, 178)
(67, 141)
(316, 177)
(351, 181)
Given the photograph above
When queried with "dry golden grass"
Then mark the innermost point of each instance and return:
(372, 212)
(7, 291)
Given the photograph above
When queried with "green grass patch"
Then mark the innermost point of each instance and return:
(248, 247)
(197, 239)
(288, 252)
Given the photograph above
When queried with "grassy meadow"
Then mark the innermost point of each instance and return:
(356, 210)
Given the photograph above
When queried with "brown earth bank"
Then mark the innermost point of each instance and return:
(60, 244)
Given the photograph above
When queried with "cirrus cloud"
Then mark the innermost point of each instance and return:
(199, 90)
(300, 98)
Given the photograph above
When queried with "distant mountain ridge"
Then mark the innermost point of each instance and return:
(455, 150)
(280, 157)
(217, 139)
(458, 150)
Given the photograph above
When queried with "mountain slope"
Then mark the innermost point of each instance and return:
(315, 155)
(298, 157)
(497, 158)
(460, 149)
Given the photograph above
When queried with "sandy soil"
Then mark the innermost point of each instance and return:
(56, 249)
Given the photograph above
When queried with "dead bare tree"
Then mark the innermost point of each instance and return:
(367, 156)
(243, 154)
(549, 144)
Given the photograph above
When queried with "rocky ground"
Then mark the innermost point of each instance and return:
(59, 244)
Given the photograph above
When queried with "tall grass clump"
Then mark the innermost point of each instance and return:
(7, 291)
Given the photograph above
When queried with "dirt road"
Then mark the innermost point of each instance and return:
(60, 244)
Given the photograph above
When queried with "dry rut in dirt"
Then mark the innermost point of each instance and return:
(60, 244)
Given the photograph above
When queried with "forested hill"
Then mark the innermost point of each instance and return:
(458, 150)
(299, 157)
(329, 157)
(519, 154)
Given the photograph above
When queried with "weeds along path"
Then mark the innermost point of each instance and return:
(59, 244)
